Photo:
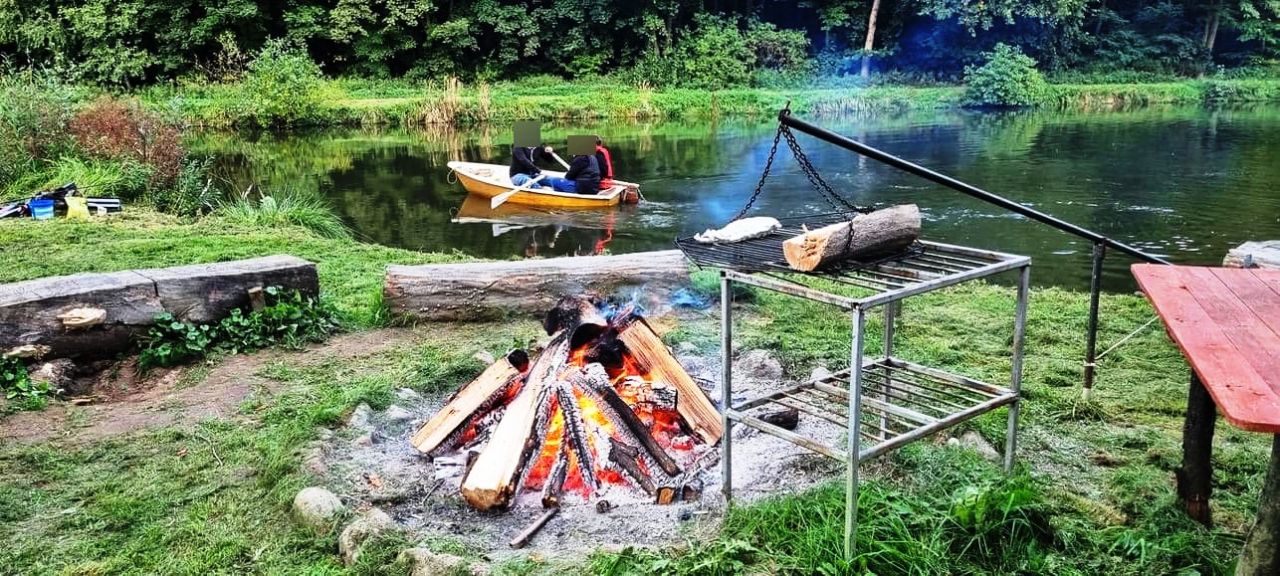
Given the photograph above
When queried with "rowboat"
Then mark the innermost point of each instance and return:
(489, 180)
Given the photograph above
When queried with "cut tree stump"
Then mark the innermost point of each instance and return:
(691, 402)
(880, 232)
(490, 290)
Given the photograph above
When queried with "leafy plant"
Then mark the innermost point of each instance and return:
(18, 387)
(290, 320)
(284, 87)
(193, 194)
(122, 130)
(1008, 79)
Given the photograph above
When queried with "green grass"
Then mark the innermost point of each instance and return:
(351, 273)
(284, 208)
(399, 102)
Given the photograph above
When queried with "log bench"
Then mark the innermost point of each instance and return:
(1226, 322)
(50, 313)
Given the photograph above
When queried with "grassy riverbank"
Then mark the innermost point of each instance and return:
(1094, 491)
(350, 102)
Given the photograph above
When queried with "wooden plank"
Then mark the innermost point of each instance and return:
(461, 407)
(1239, 391)
(1256, 342)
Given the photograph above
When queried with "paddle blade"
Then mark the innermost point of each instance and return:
(501, 199)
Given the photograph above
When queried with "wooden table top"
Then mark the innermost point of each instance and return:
(1227, 323)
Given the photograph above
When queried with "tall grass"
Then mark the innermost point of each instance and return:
(126, 179)
(285, 207)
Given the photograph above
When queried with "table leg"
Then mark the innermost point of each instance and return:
(1261, 555)
(1195, 478)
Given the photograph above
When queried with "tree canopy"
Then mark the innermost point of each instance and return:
(659, 42)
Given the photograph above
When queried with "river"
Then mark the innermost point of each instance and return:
(1183, 183)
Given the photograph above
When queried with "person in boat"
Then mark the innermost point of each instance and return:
(524, 163)
(605, 162)
(583, 176)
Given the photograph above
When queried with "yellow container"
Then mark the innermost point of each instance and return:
(77, 208)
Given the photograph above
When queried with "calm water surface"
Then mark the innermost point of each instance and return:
(1184, 183)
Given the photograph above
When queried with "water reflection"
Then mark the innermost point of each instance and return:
(1186, 183)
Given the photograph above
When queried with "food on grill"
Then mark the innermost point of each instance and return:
(881, 232)
(739, 230)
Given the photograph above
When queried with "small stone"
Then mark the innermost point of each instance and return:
(686, 347)
(397, 414)
(974, 441)
(408, 395)
(363, 440)
(423, 562)
(317, 508)
(820, 373)
(760, 365)
(360, 417)
(484, 357)
(362, 529)
(685, 515)
(313, 463)
(27, 351)
(59, 376)
(323, 434)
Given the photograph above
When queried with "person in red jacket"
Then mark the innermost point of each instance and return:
(605, 162)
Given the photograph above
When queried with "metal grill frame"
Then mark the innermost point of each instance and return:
(889, 401)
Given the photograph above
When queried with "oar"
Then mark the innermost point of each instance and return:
(500, 199)
(560, 160)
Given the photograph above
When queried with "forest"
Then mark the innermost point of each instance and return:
(657, 43)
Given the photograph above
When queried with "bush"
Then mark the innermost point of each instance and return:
(35, 108)
(1008, 79)
(122, 130)
(284, 87)
(286, 208)
(290, 320)
(715, 56)
(192, 195)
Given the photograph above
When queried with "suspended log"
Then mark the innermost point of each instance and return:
(653, 357)
(490, 290)
(470, 403)
(881, 232)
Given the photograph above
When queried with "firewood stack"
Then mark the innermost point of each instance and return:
(603, 404)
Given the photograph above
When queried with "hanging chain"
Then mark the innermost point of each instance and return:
(834, 200)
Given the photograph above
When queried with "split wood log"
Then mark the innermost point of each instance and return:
(593, 380)
(665, 495)
(470, 403)
(554, 486)
(653, 357)
(490, 290)
(575, 433)
(880, 232)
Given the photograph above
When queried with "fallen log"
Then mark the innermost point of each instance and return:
(490, 290)
(470, 403)
(654, 358)
(209, 292)
(880, 232)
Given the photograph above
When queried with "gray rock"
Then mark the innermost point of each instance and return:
(317, 508)
(369, 524)
(313, 463)
(408, 395)
(820, 373)
(59, 376)
(686, 347)
(363, 440)
(484, 357)
(974, 441)
(758, 364)
(423, 562)
(398, 414)
(360, 417)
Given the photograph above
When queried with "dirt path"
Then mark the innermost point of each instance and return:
(165, 398)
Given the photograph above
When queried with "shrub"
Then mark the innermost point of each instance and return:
(122, 179)
(716, 55)
(193, 194)
(115, 129)
(34, 110)
(284, 87)
(1008, 79)
(290, 320)
(286, 208)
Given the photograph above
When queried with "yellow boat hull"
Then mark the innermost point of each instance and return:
(489, 180)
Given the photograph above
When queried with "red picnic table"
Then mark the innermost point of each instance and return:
(1227, 323)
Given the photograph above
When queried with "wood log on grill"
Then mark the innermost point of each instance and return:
(880, 232)
(652, 355)
(471, 403)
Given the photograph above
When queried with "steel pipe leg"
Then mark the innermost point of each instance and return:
(1015, 384)
(1091, 337)
(855, 425)
(890, 316)
(726, 384)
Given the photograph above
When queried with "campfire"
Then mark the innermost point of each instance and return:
(603, 406)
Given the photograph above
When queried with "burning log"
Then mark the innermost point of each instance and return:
(665, 495)
(594, 381)
(471, 403)
(880, 232)
(626, 457)
(554, 486)
(654, 357)
(575, 432)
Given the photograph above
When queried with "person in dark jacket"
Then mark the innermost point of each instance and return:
(583, 176)
(524, 162)
(605, 162)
